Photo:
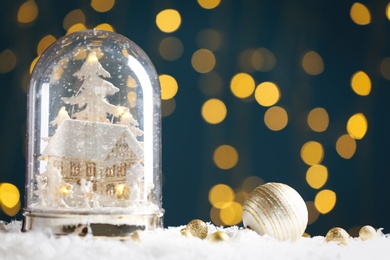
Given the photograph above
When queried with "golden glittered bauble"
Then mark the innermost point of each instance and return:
(197, 228)
(367, 232)
(185, 232)
(219, 236)
(277, 210)
(338, 235)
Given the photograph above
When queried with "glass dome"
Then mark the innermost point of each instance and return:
(94, 138)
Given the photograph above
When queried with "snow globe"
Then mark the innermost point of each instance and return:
(94, 138)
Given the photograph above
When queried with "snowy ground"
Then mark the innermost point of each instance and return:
(170, 244)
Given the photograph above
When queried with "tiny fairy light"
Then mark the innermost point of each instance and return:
(93, 157)
(65, 189)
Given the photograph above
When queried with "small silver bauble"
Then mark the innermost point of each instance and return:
(277, 210)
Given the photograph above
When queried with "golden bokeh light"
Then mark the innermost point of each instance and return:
(357, 126)
(58, 73)
(44, 43)
(325, 201)
(59, 69)
(102, 6)
(312, 211)
(361, 83)
(240, 197)
(203, 61)
(76, 27)
(209, 4)
(232, 214)
(225, 157)
(209, 39)
(312, 63)
(245, 60)
(105, 27)
(132, 98)
(80, 53)
(242, 85)
(8, 61)
(211, 83)
(316, 176)
(346, 146)
(11, 211)
(9, 195)
(214, 111)
(125, 52)
(250, 183)
(215, 216)
(354, 231)
(276, 118)
(267, 94)
(171, 48)
(312, 153)
(169, 86)
(131, 83)
(360, 14)
(388, 11)
(168, 20)
(32, 65)
(27, 12)
(168, 107)
(263, 59)
(73, 17)
(318, 119)
(385, 68)
(221, 195)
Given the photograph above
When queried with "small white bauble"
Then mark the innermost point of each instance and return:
(277, 210)
(367, 232)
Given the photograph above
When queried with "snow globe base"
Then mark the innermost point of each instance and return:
(100, 225)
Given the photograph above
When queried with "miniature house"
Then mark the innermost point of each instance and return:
(97, 152)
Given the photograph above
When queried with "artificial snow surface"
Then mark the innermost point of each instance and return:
(169, 244)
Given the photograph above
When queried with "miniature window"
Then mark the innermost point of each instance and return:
(59, 165)
(110, 172)
(110, 189)
(121, 169)
(91, 169)
(74, 168)
(123, 147)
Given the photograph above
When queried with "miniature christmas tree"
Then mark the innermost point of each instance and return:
(61, 117)
(91, 97)
(128, 119)
(51, 188)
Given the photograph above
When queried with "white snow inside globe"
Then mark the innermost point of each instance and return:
(94, 138)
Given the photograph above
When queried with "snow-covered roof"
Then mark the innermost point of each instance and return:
(89, 141)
